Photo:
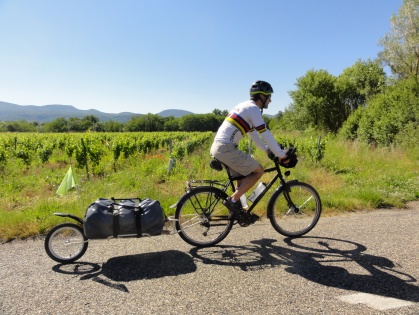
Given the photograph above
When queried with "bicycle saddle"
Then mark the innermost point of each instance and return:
(216, 165)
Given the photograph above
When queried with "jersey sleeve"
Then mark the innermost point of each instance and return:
(266, 135)
(272, 144)
(257, 140)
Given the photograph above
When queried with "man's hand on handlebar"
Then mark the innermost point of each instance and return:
(272, 156)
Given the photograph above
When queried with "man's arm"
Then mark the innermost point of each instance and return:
(272, 144)
(257, 140)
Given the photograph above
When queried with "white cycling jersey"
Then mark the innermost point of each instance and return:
(247, 118)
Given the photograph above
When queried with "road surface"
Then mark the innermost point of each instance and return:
(358, 263)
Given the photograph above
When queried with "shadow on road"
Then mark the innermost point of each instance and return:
(327, 261)
(133, 267)
(331, 262)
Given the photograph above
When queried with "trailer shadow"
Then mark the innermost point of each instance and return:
(144, 266)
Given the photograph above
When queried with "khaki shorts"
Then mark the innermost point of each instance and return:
(240, 163)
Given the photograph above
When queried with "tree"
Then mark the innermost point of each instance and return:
(75, 125)
(171, 123)
(113, 126)
(19, 126)
(149, 122)
(316, 103)
(387, 117)
(200, 122)
(359, 82)
(219, 112)
(58, 125)
(401, 44)
(90, 123)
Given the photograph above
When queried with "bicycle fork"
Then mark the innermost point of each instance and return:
(292, 208)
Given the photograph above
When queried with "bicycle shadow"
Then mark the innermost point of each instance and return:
(170, 263)
(327, 261)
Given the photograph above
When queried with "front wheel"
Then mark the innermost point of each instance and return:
(201, 218)
(296, 211)
(66, 243)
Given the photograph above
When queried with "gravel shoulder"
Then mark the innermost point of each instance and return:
(253, 271)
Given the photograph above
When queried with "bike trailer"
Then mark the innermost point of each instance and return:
(107, 218)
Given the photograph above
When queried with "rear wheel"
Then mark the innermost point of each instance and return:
(297, 212)
(201, 218)
(66, 243)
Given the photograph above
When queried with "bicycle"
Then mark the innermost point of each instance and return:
(202, 220)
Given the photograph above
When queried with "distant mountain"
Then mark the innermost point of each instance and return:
(177, 113)
(48, 113)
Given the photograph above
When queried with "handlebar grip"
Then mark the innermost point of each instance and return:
(290, 152)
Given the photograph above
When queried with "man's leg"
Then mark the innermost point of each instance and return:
(248, 182)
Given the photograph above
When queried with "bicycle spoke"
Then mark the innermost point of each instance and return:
(202, 220)
(290, 219)
(66, 243)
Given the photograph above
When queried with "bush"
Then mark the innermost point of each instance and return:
(387, 116)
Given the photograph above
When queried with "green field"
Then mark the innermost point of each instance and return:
(349, 176)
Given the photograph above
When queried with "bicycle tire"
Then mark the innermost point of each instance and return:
(295, 221)
(202, 219)
(66, 243)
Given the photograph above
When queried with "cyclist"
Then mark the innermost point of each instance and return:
(246, 117)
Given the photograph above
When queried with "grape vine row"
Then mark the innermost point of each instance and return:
(93, 147)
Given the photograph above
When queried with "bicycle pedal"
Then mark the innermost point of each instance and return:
(245, 219)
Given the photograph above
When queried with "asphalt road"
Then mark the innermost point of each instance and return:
(360, 263)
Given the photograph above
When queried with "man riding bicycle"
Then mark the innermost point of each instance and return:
(246, 117)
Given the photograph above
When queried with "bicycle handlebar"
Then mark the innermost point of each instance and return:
(290, 152)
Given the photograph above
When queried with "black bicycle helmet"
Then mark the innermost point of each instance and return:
(261, 87)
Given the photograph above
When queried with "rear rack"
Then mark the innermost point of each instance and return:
(191, 184)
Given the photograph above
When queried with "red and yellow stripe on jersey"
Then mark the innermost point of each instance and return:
(241, 124)
(261, 128)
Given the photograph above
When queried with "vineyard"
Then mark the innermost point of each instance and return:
(90, 149)
(93, 148)
(32, 166)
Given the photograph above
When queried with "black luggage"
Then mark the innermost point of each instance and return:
(129, 217)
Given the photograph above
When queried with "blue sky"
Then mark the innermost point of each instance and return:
(196, 55)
